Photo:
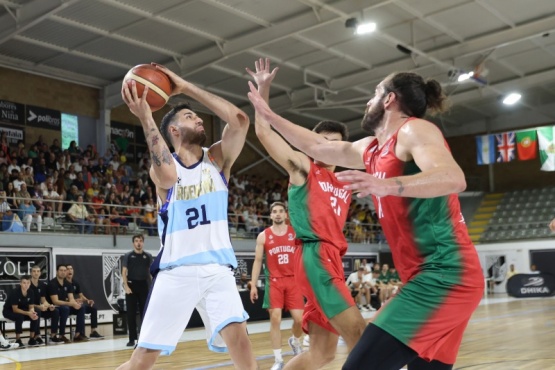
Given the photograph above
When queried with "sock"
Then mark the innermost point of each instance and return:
(277, 355)
(297, 339)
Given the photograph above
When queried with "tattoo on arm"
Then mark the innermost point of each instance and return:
(166, 156)
(155, 140)
(148, 133)
(401, 187)
(155, 159)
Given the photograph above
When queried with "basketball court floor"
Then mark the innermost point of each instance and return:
(504, 334)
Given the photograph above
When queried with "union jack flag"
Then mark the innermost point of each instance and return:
(506, 146)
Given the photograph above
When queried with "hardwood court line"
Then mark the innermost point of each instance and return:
(17, 363)
(229, 363)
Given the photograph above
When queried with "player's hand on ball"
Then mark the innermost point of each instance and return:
(137, 105)
(179, 84)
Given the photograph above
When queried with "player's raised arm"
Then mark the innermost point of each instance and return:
(295, 163)
(162, 171)
(340, 153)
(226, 151)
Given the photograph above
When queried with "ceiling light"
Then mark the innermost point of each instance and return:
(511, 98)
(365, 28)
(360, 28)
(465, 76)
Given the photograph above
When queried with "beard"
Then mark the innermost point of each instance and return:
(373, 117)
(278, 222)
(193, 136)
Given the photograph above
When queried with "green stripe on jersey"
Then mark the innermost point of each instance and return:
(330, 300)
(299, 212)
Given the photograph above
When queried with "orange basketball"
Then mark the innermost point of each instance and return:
(159, 84)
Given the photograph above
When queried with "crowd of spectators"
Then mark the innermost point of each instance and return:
(250, 197)
(46, 185)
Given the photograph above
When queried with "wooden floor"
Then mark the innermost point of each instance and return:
(518, 334)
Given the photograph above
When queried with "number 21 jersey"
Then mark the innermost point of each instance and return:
(193, 220)
(318, 208)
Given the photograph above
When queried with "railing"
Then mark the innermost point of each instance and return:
(54, 216)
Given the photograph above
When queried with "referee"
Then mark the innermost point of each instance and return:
(135, 272)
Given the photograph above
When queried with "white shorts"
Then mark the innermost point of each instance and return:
(210, 289)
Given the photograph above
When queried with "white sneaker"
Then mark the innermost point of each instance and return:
(295, 346)
(306, 341)
(4, 346)
(341, 341)
(278, 365)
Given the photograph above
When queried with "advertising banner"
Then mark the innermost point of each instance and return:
(531, 285)
(11, 112)
(15, 264)
(15, 135)
(44, 118)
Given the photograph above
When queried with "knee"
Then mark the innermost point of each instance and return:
(322, 359)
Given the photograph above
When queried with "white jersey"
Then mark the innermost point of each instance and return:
(193, 221)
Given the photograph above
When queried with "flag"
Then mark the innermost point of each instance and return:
(526, 144)
(505, 146)
(485, 148)
(547, 147)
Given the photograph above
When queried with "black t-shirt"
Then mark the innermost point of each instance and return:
(54, 288)
(17, 298)
(76, 288)
(138, 266)
(39, 291)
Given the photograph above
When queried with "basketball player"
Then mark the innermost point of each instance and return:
(414, 182)
(196, 257)
(318, 211)
(276, 245)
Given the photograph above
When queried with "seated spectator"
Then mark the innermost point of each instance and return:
(55, 147)
(244, 282)
(88, 304)
(79, 215)
(133, 211)
(60, 292)
(19, 307)
(361, 284)
(149, 218)
(21, 194)
(52, 200)
(3, 158)
(19, 180)
(28, 214)
(79, 182)
(47, 310)
(74, 151)
(117, 220)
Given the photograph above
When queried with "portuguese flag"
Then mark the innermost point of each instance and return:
(526, 144)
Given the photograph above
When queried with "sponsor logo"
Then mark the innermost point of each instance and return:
(532, 290)
(534, 281)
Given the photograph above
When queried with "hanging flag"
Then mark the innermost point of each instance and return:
(505, 146)
(526, 144)
(547, 147)
(485, 148)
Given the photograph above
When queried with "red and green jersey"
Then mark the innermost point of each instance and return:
(318, 208)
(423, 233)
(279, 253)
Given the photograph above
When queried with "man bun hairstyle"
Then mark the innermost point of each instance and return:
(332, 127)
(416, 96)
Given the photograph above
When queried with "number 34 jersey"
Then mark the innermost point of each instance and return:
(279, 253)
(318, 208)
(193, 220)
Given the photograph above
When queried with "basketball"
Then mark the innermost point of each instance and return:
(159, 84)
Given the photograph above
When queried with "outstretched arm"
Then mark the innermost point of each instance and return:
(226, 151)
(295, 163)
(422, 142)
(162, 171)
(341, 153)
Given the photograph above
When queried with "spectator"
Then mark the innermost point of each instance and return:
(47, 310)
(244, 282)
(360, 284)
(52, 199)
(19, 307)
(55, 147)
(512, 271)
(149, 218)
(73, 150)
(534, 269)
(79, 215)
(28, 214)
(60, 292)
(88, 305)
(19, 180)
